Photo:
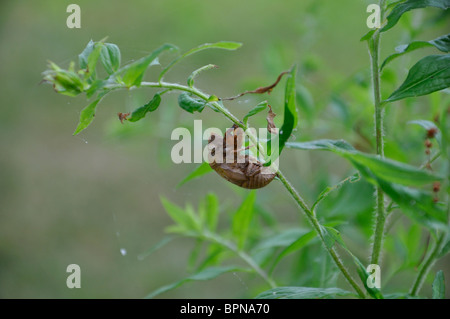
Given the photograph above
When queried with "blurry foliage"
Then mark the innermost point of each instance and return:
(262, 234)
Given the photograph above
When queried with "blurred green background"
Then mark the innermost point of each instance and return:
(84, 199)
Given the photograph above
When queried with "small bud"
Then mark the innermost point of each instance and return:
(435, 200)
(436, 187)
(427, 151)
(432, 132)
(428, 144)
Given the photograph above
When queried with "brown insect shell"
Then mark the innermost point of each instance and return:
(225, 156)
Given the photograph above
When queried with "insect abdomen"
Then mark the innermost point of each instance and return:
(237, 176)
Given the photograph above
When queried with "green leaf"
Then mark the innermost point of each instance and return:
(182, 217)
(89, 57)
(94, 87)
(87, 115)
(368, 35)
(83, 56)
(290, 116)
(258, 108)
(364, 275)
(393, 4)
(190, 104)
(205, 274)
(298, 244)
(387, 174)
(341, 108)
(201, 170)
(400, 295)
(133, 73)
(403, 7)
(330, 189)
(417, 204)
(331, 236)
(218, 45)
(157, 246)
(412, 241)
(282, 239)
(442, 43)
(110, 57)
(430, 74)
(305, 102)
(387, 169)
(328, 240)
(303, 293)
(290, 110)
(329, 145)
(212, 211)
(445, 250)
(213, 98)
(66, 82)
(195, 254)
(242, 218)
(302, 241)
(213, 256)
(151, 106)
(427, 125)
(393, 171)
(439, 286)
(190, 80)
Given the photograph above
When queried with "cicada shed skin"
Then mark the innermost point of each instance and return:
(234, 165)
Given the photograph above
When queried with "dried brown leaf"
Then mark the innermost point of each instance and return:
(271, 127)
(260, 90)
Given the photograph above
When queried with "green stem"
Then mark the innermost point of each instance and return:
(308, 213)
(426, 266)
(197, 92)
(374, 50)
(316, 225)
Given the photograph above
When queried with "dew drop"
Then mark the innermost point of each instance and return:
(123, 251)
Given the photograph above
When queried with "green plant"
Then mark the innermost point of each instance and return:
(404, 184)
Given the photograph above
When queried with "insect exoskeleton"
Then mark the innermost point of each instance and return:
(228, 158)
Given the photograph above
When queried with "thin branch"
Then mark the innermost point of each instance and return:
(426, 266)
(374, 50)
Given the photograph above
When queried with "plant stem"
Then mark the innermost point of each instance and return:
(426, 266)
(374, 50)
(308, 213)
(316, 225)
